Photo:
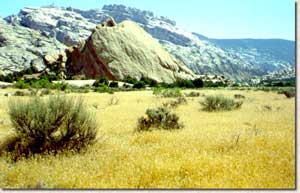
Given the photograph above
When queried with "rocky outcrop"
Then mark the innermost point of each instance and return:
(66, 26)
(71, 26)
(120, 50)
(203, 55)
(22, 48)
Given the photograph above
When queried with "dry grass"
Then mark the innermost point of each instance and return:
(245, 148)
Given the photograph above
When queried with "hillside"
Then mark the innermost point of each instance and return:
(235, 59)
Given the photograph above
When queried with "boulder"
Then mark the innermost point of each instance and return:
(123, 50)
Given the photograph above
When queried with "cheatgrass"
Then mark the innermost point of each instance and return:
(249, 148)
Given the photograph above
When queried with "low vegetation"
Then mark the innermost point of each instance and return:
(239, 96)
(169, 93)
(193, 94)
(160, 118)
(219, 103)
(175, 103)
(228, 149)
(289, 93)
(252, 147)
(53, 125)
(43, 83)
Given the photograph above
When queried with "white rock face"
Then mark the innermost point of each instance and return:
(125, 50)
(66, 26)
(201, 54)
(21, 48)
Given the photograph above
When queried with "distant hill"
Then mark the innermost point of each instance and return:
(268, 54)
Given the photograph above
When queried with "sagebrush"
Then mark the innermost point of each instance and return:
(175, 103)
(219, 103)
(160, 118)
(52, 125)
(169, 93)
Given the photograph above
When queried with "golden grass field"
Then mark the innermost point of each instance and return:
(252, 147)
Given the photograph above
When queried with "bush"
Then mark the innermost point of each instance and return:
(289, 93)
(130, 80)
(214, 84)
(53, 125)
(20, 93)
(103, 89)
(114, 84)
(175, 104)
(174, 92)
(80, 90)
(192, 94)
(220, 103)
(8, 78)
(157, 90)
(102, 81)
(21, 85)
(139, 85)
(184, 84)
(41, 83)
(198, 83)
(147, 81)
(153, 83)
(159, 118)
(239, 96)
(59, 86)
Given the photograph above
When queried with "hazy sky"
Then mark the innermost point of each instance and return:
(212, 18)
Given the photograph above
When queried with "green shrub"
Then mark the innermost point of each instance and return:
(184, 83)
(159, 118)
(220, 103)
(8, 78)
(139, 85)
(21, 85)
(174, 92)
(130, 80)
(81, 90)
(20, 93)
(53, 125)
(198, 83)
(41, 83)
(153, 83)
(192, 94)
(33, 92)
(289, 93)
(102, 81)
(157, 90)
(148, 81)
(103, 89)
(239, 96)
(214, 84)
(114, 84)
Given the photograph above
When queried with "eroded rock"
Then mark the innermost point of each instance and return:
(124, 50)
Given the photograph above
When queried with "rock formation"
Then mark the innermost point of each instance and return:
(235, 59)
(22, 48)
(120, 50)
